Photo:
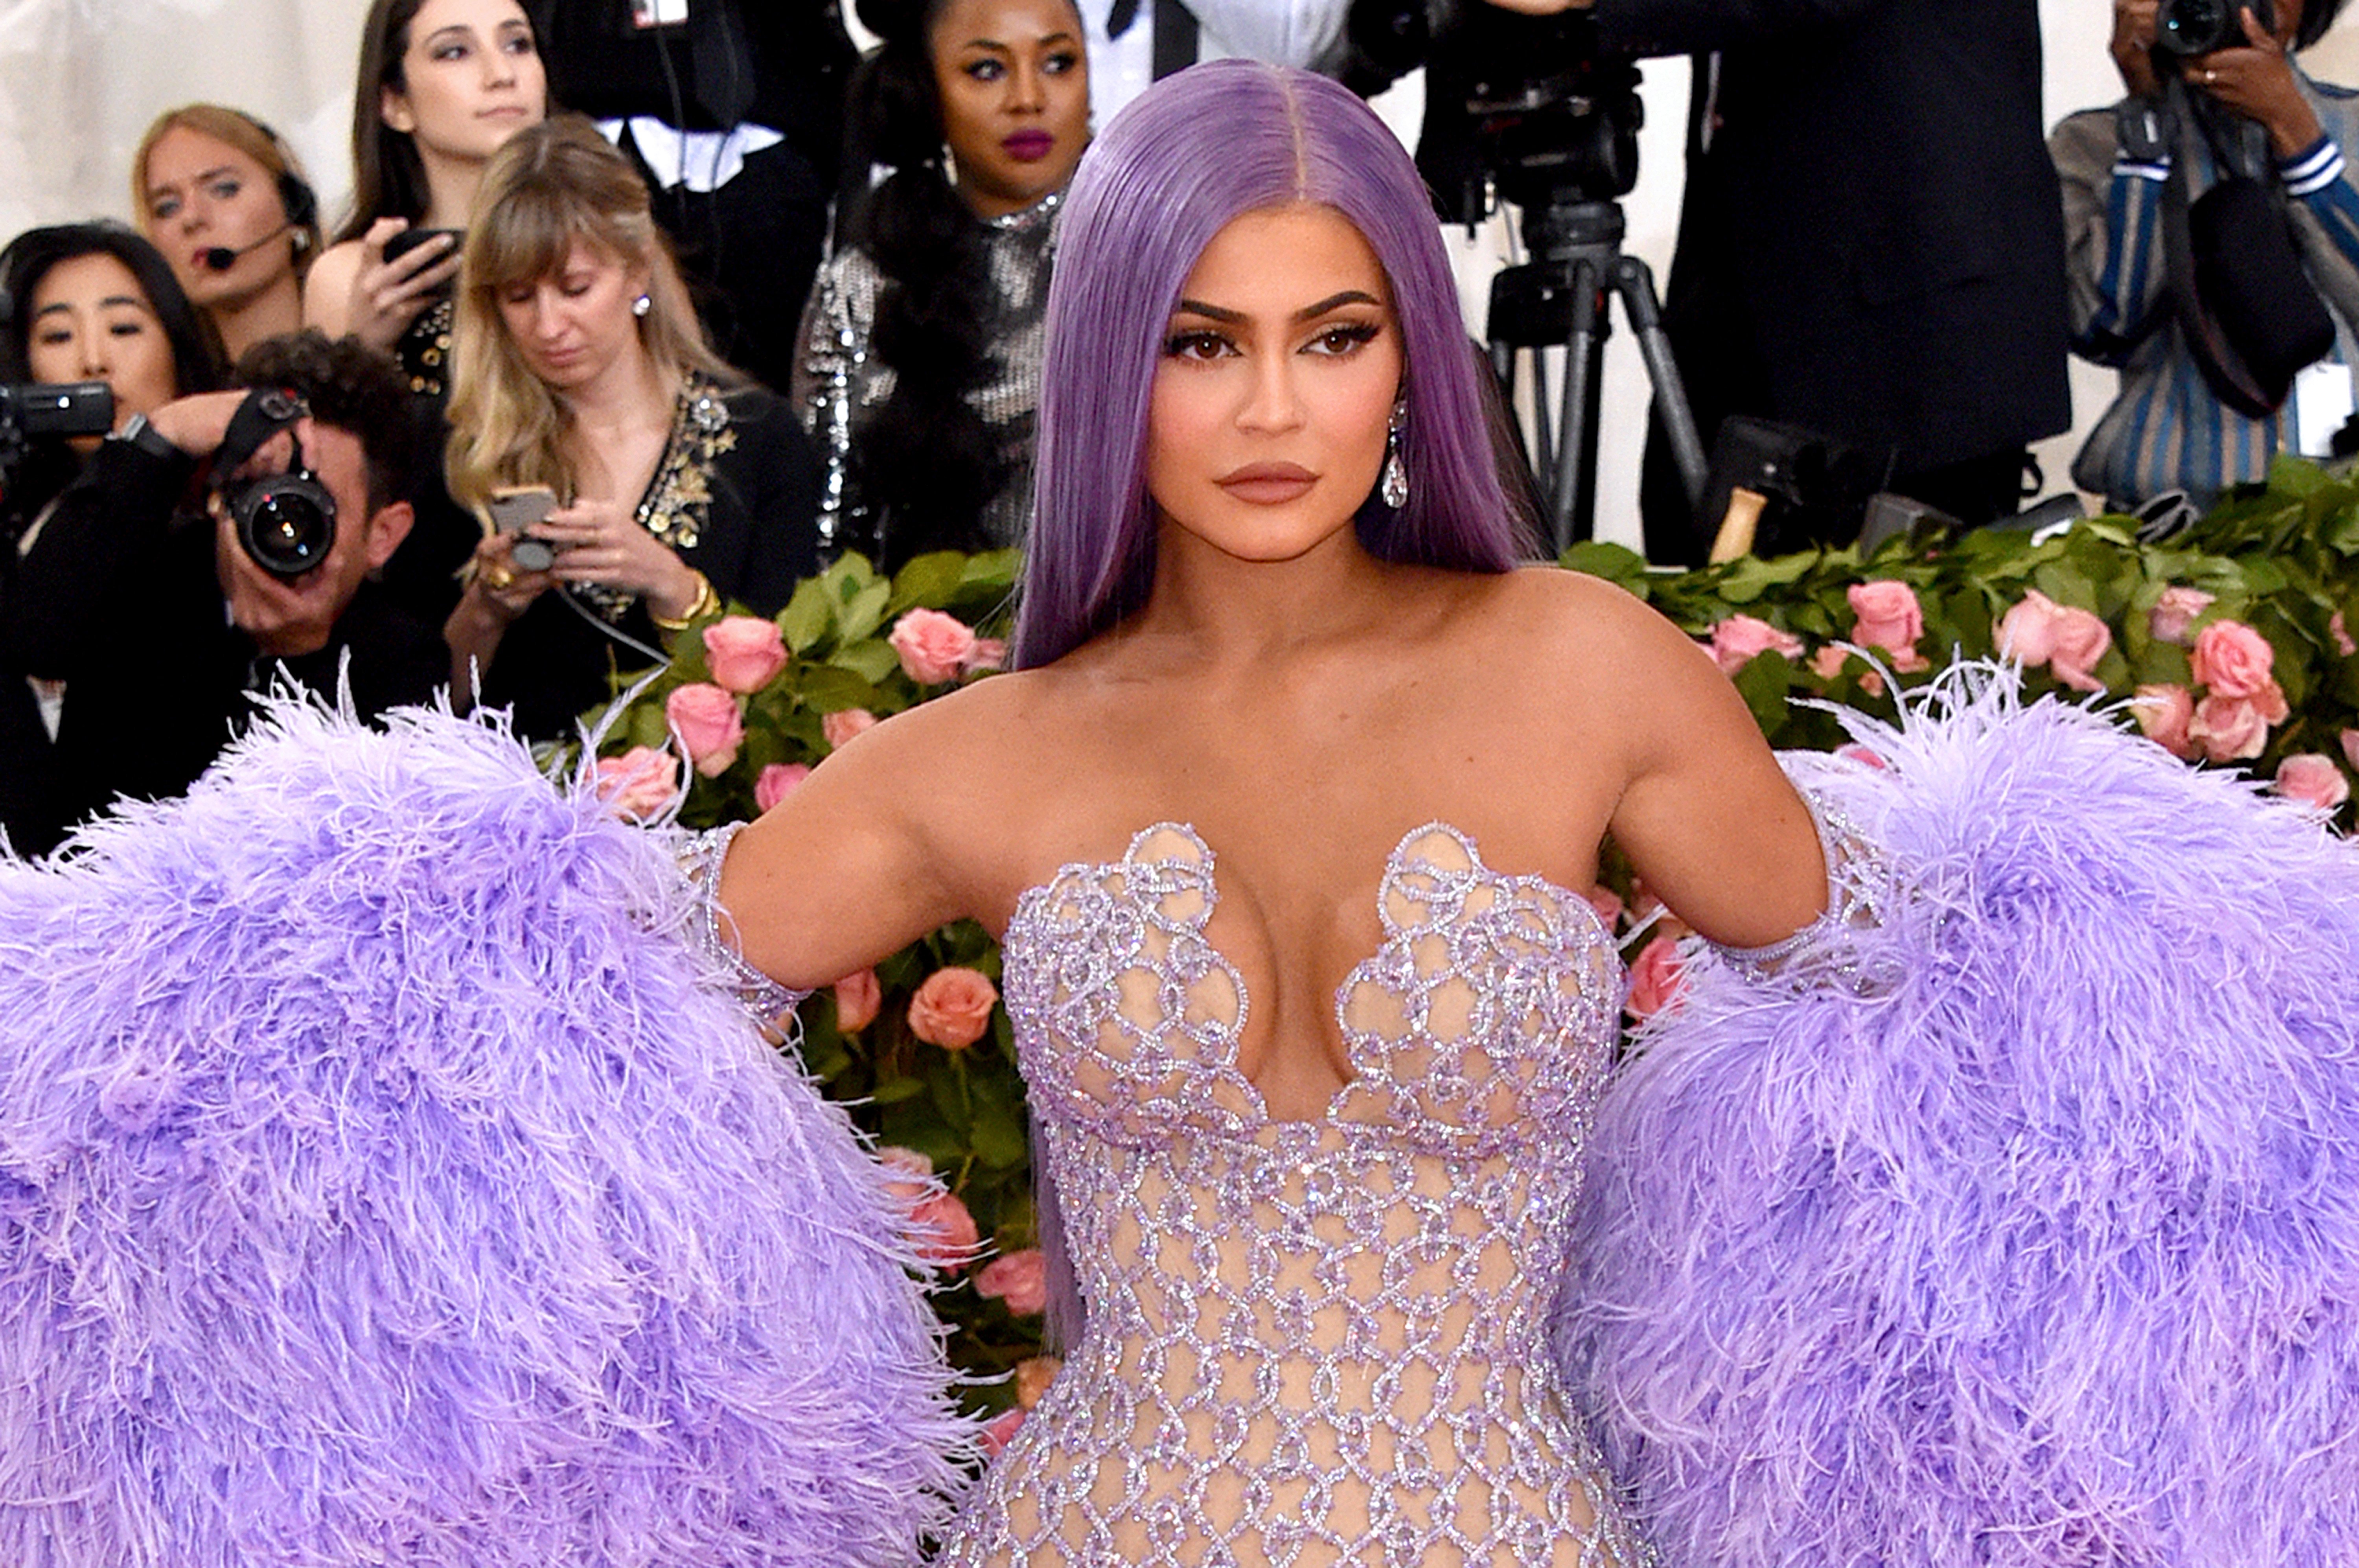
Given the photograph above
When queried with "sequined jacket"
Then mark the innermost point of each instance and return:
(840, 384)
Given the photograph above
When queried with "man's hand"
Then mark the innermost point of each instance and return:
(2257, 81)
(2132, 46)
(197, 424)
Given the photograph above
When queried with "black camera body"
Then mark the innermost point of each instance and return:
(33, 409)
(2186, 27)
(286, 523)
(1530, 106)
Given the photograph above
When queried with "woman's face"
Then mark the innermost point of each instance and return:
(90, 320)
(575, 324)
(205, 195)
(1275, 391)
(472, 76)
(1015, 88)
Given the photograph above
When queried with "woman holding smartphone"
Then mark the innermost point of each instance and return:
(671, 485)
(443, 84)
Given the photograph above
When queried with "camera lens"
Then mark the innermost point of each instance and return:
(286, 524)
(2197, 26)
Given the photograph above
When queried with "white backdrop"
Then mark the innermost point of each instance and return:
(80, 79)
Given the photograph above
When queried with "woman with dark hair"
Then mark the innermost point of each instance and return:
(92, 302)
(224, 197)
(1271, 614)
(921, 339)
(669, 485)
(443, 84)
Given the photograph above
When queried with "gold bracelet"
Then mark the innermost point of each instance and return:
(703, 605)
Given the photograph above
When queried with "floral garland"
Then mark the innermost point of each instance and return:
(2230, 644)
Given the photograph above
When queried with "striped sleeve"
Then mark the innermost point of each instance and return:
(2320, 179)
(2113, 235)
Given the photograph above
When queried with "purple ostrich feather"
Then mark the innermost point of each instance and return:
(2037, 1243)
(383, 1181)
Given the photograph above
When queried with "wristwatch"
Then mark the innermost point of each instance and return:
(138, 433)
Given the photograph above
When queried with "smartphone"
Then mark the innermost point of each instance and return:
(402, 243)
(515, 508)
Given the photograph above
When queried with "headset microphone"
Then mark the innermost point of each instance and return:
(220, 258)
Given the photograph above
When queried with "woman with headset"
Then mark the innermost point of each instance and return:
(223, 196)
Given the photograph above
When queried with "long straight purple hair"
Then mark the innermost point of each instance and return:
(1216, 141)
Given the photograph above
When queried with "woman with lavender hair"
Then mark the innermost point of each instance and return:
(1922, 1235)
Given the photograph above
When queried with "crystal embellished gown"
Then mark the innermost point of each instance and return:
(1317, 1342)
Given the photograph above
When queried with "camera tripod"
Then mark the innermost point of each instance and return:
(1558, 298)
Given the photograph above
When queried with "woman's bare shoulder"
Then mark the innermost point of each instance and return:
(327, 288)
(1547, 618)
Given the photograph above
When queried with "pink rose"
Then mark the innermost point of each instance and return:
(999, 1431)
(1888, 617)
(777, 781)
(1737, 641)
(2232, 660)
(2027, 633)
(2229, 729)
(1021, 1279)
(952, 1009)
(2341, 636)
(857, 999)
(2175, 613)
(2080, 640)
(640, 782)
(933, 647)
(1608, 905)
(2165, 714)
(1828, 662)
(705, 719)
(988, 653)
(911, 1175)
(943, 1231)
(1655, 978)
(1033, 1376)
(2313, 778)
(2351, 746)
(743, 652)
(839, 728)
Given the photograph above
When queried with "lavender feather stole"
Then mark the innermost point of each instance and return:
(377, 1187)
(2041, 1243)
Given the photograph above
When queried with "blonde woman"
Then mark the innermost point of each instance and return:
(223, 196)
(581, 372)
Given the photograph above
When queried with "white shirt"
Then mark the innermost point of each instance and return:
(1285, 32)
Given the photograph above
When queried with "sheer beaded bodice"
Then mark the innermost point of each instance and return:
(1315, 1341)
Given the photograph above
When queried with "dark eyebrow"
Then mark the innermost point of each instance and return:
(1307, 312)
(992, 44)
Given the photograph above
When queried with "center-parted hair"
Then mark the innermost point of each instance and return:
(1196, 150)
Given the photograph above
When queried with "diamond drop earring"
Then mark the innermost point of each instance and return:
(1394, 490)
(642, 305)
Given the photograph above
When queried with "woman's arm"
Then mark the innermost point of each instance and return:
(1707, 817)
(2112, 234)
(866, 856)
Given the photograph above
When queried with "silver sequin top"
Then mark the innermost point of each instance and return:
(839, 385)
(1308, 1342)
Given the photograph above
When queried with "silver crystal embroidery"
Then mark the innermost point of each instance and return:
(1316, 1342)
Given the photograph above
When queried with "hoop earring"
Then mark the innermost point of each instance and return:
(641, 306)
(1394, 490)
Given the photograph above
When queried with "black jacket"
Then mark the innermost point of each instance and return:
(120, 599)
(1871, 244)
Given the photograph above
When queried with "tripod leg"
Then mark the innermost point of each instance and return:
(1579, 399)
(1636, 286)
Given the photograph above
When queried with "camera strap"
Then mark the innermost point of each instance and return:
(265, 411)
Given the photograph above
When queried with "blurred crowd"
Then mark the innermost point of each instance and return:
(643, 307)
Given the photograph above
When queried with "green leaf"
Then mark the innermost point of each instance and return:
(998, 1137)
(872, 661)
(930, 581)
(830, 690)
(806, 618)
(893, 1091)
(1616, 563)
(864, 611)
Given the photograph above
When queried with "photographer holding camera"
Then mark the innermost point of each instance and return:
(162, 617)
(2212, 226)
